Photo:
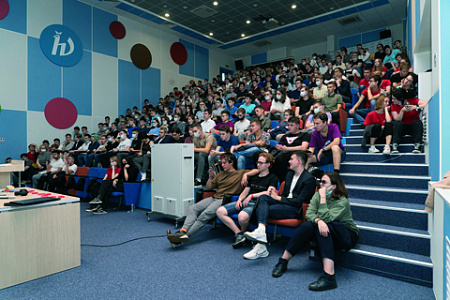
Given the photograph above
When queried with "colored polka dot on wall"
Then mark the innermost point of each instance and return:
(117, 30)
(4, 8)
(178, 53)
(141, 56)
(61, 113)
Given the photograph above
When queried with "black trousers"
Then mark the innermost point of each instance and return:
(378, 132)
(415, 129)
(105, 191)
(339, 238)
(280, 167)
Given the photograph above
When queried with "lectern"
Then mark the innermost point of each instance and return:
(6, 169)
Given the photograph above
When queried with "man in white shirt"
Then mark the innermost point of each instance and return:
(56, 164)
(124, 146)
(207, 124)
(57, 182)
(241, 125)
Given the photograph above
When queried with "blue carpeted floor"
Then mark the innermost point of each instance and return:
(207, 267)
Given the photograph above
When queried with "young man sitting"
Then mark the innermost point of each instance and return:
(226, 141)
(299, 188)
(226, 182)
(258, 185)
(203, 143)
(325, 146)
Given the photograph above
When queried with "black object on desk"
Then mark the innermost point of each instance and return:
(30, 201)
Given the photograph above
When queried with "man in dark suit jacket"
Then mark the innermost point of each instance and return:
(299, 188)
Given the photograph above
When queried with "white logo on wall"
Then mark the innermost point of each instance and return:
(61, 45)
(57, 44)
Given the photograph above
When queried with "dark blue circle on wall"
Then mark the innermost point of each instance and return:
(61, 45)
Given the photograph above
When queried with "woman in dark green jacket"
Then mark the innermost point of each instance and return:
(330, 223)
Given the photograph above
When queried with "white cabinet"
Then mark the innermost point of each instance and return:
(172, 179)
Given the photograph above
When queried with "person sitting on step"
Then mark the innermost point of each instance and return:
(330, 223)
(378, 124)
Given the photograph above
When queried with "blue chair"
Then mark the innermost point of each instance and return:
(355, 96)
(274, 124)
(273, 143)
(238, 104)
(130, 193)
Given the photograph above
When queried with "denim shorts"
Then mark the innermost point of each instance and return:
(327, 157)
(231, 208)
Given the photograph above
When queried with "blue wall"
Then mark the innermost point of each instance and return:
(259, 58)
(197, 64)
(434, 135)
(15, 141)
(366, 37)
(444, 86)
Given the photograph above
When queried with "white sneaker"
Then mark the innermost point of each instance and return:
(143, 176)
(258, 251)
(257, 235)
(372, 149)
(387, 150)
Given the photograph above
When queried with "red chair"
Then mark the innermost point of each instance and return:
(81, 171)
(294, 223)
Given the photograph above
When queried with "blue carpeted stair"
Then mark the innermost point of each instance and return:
(387, 195)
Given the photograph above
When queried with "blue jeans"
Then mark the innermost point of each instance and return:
(271, 208)
(231, 208)
(360, 114)
(245, 156)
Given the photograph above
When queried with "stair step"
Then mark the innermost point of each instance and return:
(376, 212)
(356, 148)
(385, 168)
(387, 194)
(355, 139)
(398, 181)
(394, 238)
(399, 265)
(393, 158)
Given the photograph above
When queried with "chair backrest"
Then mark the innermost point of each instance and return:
(82, 171)
(273, 143)
(93, 172)
(281, 188)
(102, 172)
(305, 208)
(138, 178)
(274, 124)
(238, 104)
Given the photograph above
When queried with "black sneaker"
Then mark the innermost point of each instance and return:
(416, 149)
(394, 150)
(280, 268)
(95, 201)
(240, 241)
(91, 207)
(178, 237)
(174, 245)
(197, 182)
(325, 282)
(100, 211)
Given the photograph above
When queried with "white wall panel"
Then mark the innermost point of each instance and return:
(38, 129)
(151, 39)
(42, 13)
(104, 85)
(166, 62)
(133, 36)
(13, 75)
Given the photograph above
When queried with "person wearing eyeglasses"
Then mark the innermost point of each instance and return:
(257, 185)
(330, 222)
(229, 181)
(299, 188)
(325, 146)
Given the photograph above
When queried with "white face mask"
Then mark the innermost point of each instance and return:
(303, 94)
(318, 82)
(278, 97)
(133, 135)
(164, 122)
(316, 110)
(122, 136)
(175, 119)
(43, 150)
(267, 98)
(330, 190)
(196, 134)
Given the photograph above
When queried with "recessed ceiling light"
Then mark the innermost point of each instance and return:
(215, 3)
(243, 35)
(230, 21)
(185, 7)
(211, 34)
(294, 6)
(165, 6)
(331, 8)
(248, 22)
(227, 32)
(255, 4)
(166, 15)
(212, 21)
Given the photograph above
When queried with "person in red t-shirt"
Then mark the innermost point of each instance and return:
(378, 66)
(364, 83)
(407, 120)
(370, 96)
(378, 124)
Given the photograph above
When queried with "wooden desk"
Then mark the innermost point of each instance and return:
(5, 169)
(38, 240)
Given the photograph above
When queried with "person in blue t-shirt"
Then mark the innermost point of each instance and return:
(231, 108)
(226, 141)
(248, 104)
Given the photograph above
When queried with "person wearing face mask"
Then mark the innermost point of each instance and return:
(329, 220)
(343, 87)
(304, 105)
(315, 109)
(279, 105)
(142, 125)
(241, 125)
(154, 130)
(320, 90)
(163, 137)
(142, 159)
(131, 126)
(43, 158)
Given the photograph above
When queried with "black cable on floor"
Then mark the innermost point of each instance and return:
(115, 245)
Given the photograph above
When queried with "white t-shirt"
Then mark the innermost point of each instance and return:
(208, 125)
(73, 167)
(242, 126)
(281, 106)
(294, 182)
(124, 144)
(56, 164)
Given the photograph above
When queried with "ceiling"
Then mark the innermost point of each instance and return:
(309, 23)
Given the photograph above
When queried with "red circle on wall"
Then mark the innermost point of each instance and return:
(61, 113)
(4, 8)
(178, 53)
(117, 30)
